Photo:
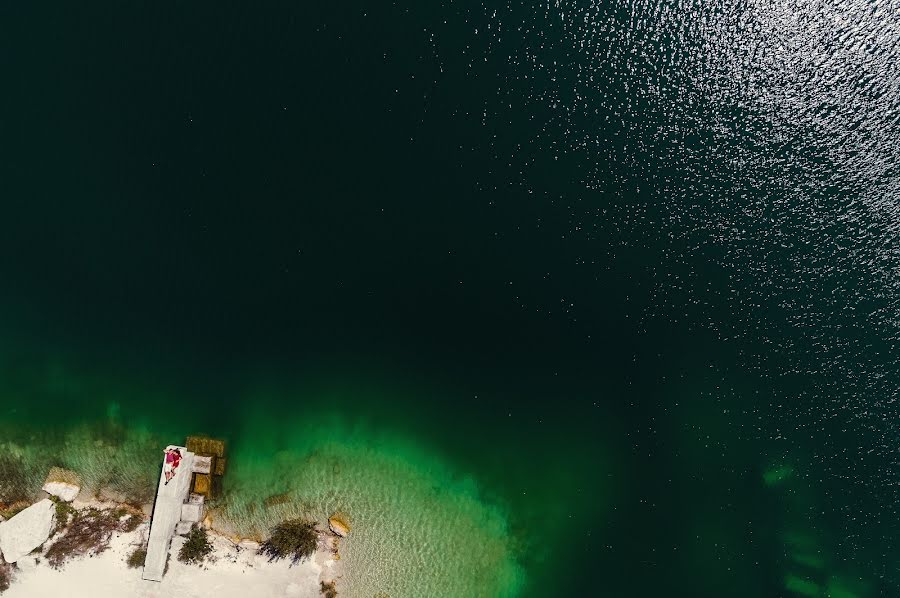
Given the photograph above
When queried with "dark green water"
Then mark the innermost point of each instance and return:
(552, 299)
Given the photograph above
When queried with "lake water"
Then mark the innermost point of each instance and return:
(591, 299)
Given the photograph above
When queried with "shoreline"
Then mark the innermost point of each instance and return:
(420, 526)
(232, 570)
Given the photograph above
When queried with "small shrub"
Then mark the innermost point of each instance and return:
(136, 559)
(197, 547)
(88, 532)
(328, 590)
(295, 538)
(5, 575)
(132, 522)
(64, 512)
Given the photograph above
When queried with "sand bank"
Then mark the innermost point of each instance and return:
(230, 572)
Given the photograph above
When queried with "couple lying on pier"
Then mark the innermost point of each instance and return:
(173, 458)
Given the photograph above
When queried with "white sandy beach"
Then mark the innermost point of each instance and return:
(230, 572)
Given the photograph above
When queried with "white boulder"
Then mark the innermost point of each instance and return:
(62, 490)
(63, 484)
(27, 530)
(248, 544)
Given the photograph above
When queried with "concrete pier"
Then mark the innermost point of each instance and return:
(166, 514)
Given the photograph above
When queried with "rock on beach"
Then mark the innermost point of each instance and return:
(63, 484)
(27, 530)
(339, 524)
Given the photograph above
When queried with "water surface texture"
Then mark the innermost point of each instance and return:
(562, 298)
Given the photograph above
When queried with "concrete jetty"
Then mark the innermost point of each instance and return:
(167, 513)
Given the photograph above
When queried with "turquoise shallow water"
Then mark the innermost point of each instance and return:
(420, 528)
(553, 299)
(424, 523)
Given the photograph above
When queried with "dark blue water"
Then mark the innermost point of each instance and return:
(630, 267)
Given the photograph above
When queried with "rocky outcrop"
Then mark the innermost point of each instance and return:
(63, 484)
(339, 524)
(27, 530)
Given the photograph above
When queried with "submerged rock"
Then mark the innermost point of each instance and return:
(27, 530)
(277, 499)
(63, 484)
(110, 495)
(339, 524)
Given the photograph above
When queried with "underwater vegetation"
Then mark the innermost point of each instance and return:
(420, 526)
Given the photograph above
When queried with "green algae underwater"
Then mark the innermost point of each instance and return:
(422, 526)
(423, 523)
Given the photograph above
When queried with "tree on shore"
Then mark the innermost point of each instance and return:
(296, 539)
(196, 548)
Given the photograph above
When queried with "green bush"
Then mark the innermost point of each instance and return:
(64, 512)
(197, 547)
(295, 538)
(136, 559)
